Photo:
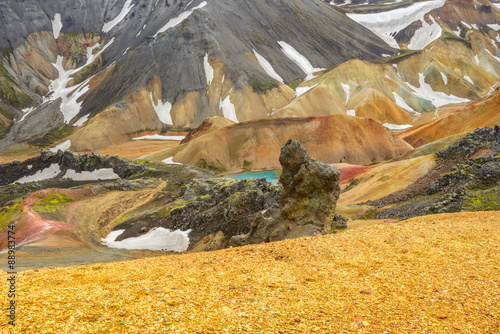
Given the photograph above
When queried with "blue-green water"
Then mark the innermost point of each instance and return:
(271, 176)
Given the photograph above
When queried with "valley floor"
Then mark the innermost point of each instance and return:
(437, 274)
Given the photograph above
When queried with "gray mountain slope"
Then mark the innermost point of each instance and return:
(224, 29)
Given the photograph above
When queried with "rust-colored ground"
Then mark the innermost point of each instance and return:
(432, 274)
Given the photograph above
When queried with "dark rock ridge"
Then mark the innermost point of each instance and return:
(251, 211)
(467, 178)
(11, 172)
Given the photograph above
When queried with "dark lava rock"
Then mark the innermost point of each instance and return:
(242, 212)
(463, 180)
(310, 189)
(308, 201)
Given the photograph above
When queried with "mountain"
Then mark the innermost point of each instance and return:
(111, 68)
(255, 145)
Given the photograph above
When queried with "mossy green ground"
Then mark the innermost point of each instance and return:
(51, 203)
(10, 215)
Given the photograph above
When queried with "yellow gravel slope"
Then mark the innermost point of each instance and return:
(433, 274)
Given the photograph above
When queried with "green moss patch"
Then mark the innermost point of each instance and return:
(10, 215)
(52, 203)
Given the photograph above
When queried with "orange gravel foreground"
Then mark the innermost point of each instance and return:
(433, 274)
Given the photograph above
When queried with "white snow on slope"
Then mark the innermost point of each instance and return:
(402, 103)
(396, 126)
(44, 174)
(81, 120)
(170, 161)
(425, 35)
(126, 8)
(268, 68)
(445, 78)
(155, 239)
(351, 112)
(387, 24)
(162, 110)
(209, 70)
(56, 25)
(301, 90)
(159, 137)
(69, 105)
(26, 112)
(498, 59)
(438, 99)
(301, 61)
(477, 59)
(96, 175)
(176, 20)
(467, 25)
(496, 5)
(457, 32)
(228, 110)
(468, 79)
(495, 26)
(63, 146)
(347, 90)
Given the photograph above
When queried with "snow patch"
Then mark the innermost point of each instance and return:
(162, 110)
(457, 32)
(155, 239)
(63, 146)
(159, 137)
(96, 175)
(477, 59)
(347, 90)
(56, 25)
(467, 25)
(301, 61)
(425, 35)
(81, 120)
(468, 79)
(228, 109)
(209, 70)
(301, 90)
(351, 112)
(396, 126)
(268, 68)
(438, 99)
(491, 54)
(125, 10)
(177, 20)
(445, 78)
(387, 24)
(170, 161)
(402, 103)
(44, 174)
(495, 26)
(69, 95)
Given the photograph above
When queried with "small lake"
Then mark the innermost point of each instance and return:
(270, 175)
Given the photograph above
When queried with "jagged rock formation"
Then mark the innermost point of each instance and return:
(67, 160)
(466, 178)
(222, 212)
(310, 188)
(310, 193)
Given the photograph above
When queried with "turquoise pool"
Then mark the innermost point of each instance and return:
(270, 175)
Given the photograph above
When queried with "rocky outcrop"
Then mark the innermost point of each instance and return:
(310, 189)
(310, 193)
(11, 172)
(223, 212)
(466, 178)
